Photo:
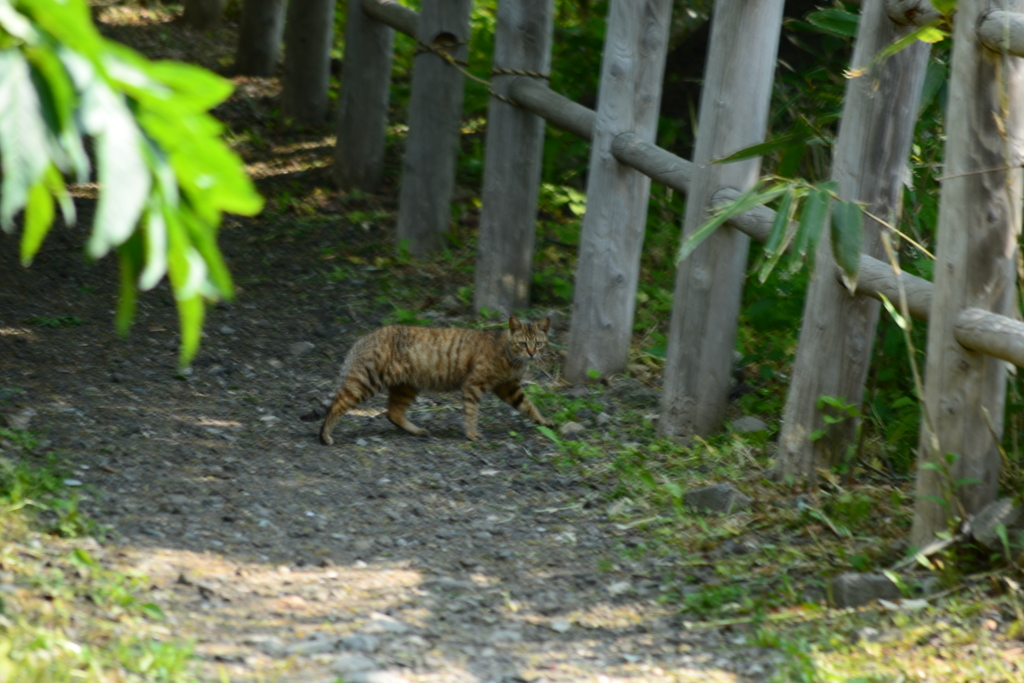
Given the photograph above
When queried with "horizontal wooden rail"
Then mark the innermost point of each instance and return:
(911, 12)
(1003, 31)
(998, 30)
(976, 329)
(394, 14)
(991, 334)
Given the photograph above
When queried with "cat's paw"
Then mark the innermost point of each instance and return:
(326, 439)
(473, 436)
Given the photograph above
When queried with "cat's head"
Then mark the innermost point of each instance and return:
(527, 340)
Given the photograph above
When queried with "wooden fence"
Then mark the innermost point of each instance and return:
(973, 330)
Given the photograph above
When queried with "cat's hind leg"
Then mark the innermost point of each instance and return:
(399, 398)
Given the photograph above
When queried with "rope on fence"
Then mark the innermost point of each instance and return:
(462, 66)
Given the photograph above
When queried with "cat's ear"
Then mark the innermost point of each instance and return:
(514, 325)
(544, 324)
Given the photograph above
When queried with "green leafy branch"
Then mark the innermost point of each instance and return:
(800, 218)
(165, 176)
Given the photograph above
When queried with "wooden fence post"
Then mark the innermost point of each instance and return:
(308, 32)
(259, 37)
(363, 103)
(838, 328)
(435, 111)
(733, 115)
(979, 222)
(512, 161)
(604, 296)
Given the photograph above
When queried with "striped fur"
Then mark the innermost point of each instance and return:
(407, 360)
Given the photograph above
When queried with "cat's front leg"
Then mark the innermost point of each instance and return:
(512, 393)
(470, 408)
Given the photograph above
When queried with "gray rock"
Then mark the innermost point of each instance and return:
(853, 589)
(382, 623)
(361, 642)
(505, 635)
(21, 420)
(449, 304)
(272, 646)
(603, 419)
(748, 424)
(379, 676)
(316, 644)
(561, 625)
(224, 329)
(571, 430)
(301, 348)
(346, 665)
(984, 524)
(635, 393)
(716, 498)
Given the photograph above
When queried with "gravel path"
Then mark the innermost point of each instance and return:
(387, 557)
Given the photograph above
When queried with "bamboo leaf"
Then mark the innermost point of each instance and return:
(835, 21)
(744, 202)
(780, 235)
(847, 229)
(762, 148)
(812, 222)
(900, 321)
(927, 33)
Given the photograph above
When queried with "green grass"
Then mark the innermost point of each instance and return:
(68, 616)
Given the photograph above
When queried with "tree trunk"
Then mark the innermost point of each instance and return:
(203, 14)
(709, 284)
(512, 163)
(435, 112)
(259, 37)
(363, 104)
(604, 296)
(979, 221)
(308, 34)
(838, 328)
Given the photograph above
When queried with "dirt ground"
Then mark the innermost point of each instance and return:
(386, 557)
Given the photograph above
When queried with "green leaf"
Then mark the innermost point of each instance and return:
(204, 239)
(817, 434)
(124, 178)
(131, 256)
(38, 218)
(927, 33)
(23, 136)
(154, 231)
(966, 481)
(780, 234)
(550, 433)
(762, 148)
(835, 21)
(900, 321)
(153, 611)
(812, 223)
(944, 7)
(744, 202)
(191, 312)
(847, 229)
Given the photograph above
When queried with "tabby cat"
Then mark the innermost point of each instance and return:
(406, 360)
